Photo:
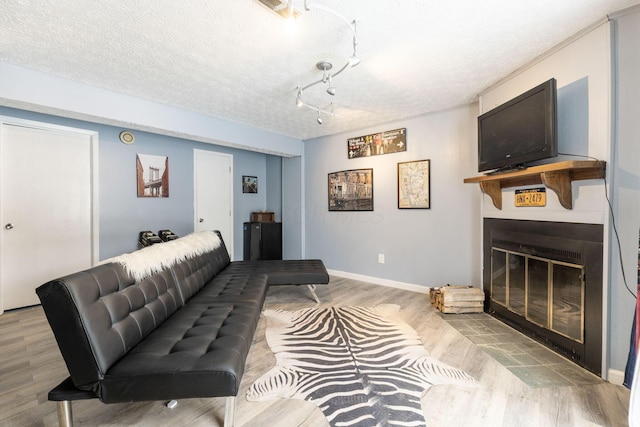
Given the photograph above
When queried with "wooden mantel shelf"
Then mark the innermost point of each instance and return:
(556, 176)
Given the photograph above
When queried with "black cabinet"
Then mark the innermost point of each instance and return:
(262, 240)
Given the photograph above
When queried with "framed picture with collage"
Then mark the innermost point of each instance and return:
(351, 190)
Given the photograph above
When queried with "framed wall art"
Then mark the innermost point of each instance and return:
(249, 184)
(390, 141)
(351, 190)
(152, 175)
(414, 185)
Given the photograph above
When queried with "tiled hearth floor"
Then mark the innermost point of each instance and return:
(536, 365)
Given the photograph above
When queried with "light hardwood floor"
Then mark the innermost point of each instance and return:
(30, 365)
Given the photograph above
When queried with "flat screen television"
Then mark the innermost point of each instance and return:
(519, 131)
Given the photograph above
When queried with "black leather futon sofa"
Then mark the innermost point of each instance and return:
(170, 321)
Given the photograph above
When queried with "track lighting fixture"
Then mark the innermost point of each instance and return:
(324, 66)
(286, 8)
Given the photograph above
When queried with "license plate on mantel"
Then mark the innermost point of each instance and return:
(531, 197)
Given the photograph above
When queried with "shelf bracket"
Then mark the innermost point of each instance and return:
(560, 183)
(493, 189)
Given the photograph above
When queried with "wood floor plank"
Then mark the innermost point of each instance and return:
(30, 365)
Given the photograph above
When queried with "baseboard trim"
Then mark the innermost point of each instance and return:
(615, 376)
(383, 282)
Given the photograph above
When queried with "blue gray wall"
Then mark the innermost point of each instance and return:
(123, 215)
(626, 182)
(422, 247)
(293, 178)
(274, 186)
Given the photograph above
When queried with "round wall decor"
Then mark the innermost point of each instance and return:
(127, 137)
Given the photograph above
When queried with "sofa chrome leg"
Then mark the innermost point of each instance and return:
(230, 412)
(65, 414)
(312, 289)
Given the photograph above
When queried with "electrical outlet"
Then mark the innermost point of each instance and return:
(380, 258)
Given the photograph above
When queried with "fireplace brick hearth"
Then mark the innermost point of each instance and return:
(545, 279)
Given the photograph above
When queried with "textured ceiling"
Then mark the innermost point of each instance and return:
(239, 61)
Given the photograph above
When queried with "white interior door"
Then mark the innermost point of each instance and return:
(46, 213)
(213, 194)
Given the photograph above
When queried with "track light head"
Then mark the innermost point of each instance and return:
(299, 101)
(331, 90)
(319, 119)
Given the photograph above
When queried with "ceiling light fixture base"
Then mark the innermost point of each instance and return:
(279, 6)
(324, 65)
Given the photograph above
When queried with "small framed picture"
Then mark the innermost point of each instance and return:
(152, 175)
(414, 185)
(249, 184)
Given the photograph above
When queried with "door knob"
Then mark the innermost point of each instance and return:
(9, 226)
(199, 220)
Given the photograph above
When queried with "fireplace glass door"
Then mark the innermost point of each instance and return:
(546, 292)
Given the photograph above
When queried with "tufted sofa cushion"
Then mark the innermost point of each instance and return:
(199, 352)
(234, 287)
(100, 314)
(195, 273)
(283, 272)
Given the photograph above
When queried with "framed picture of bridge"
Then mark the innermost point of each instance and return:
(152, 175)
(351, 190)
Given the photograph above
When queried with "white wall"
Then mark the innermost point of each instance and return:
(422, 248)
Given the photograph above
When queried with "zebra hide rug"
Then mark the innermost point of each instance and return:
(360, 366)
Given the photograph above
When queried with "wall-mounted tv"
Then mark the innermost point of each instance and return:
(519, 131)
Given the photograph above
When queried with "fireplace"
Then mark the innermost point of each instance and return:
(545, 279)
